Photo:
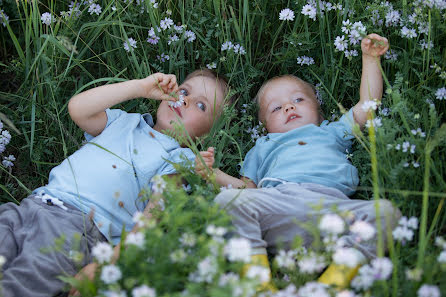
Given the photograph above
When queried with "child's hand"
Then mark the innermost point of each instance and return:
(160, 86)
(208, 157)
(374, 45)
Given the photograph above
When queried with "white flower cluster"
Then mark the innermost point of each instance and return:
(158, 184)
(212, 65)
(103, 252)
(5, 138)
(418, 132)
(405, 229)
(440, 94)
(428, 291)
(238, 249)
(129, 44)
(312, 263)
(378, 269)
(47, 18)
(257, 131)
(370, 105)
(310, 9)
(206, 270)
(110, 274)
(376, 123)
(4, 18)
(143, 291)
(286, 259)
(353, 33)
(74, 10)
(441, 243)
(234, 47)
(304, 60)
(95, 8)
(286, 14)
(136, 239)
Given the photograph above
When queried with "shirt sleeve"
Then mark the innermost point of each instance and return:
(251, 164)
(177, 156)
(343, 128)
(112, 115)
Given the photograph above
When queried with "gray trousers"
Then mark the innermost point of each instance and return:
(271, 218)
(33, 259)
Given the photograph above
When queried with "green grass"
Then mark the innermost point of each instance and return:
(40, 72)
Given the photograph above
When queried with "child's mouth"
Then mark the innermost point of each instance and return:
(177, 110)
(292, 117)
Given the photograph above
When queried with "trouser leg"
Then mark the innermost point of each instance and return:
(47, 239)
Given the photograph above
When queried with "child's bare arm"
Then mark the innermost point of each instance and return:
(87, 109)
(373, 47)
(221, 177)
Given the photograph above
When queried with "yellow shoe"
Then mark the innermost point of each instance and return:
(261, 260)
(339, 276)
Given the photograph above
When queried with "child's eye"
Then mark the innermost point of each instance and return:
(277, 108)
(184, 92)
(297, 100)
(201, 106)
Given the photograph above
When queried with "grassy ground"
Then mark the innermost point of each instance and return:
(46, 59)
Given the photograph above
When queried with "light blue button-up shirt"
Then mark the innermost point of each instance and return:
(308, 154)
(105, 176)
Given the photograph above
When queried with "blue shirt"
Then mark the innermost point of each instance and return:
(308, 154)
(105, 176)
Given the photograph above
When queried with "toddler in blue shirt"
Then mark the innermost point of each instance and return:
(94, 192)
(300, 164)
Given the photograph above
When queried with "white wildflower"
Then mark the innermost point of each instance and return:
(364, 280)
(95, 8)
(408, 33)
(166, 23)
(110, 274)
(401, 233)
(391, 55)
(347, 256)
(346, 26)
(345, 293)
(227, 45)
(392, 18)
(310, 11)
(8, 161)
(441, 257)
(440, 242)
(426, 45)
(351, 53)
(4, 18)
(158, 184)
(414, 274)
(370, 105)
(178, 256)
(47, 18)
(286, 15)
(363, 229)
(311, 263)
(190, 36)
(228, 278)
(238, 249)
(130, 44)
(376, 123)
(172, 39)
(103, 252)
(215, 231)
(382, 268)
(260, 272)
(188, 239)
(143, 291)
(340, 43)
(312, 289)
(304, 60)
(212, 65)
(440, 94)
(428, 291)
(207, 269)
(419, 132)
(137, 239)
(331, 224)
(286, 259)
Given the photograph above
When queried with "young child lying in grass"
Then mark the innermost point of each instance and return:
(94, 192)
(301, 163)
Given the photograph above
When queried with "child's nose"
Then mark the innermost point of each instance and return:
(186, 102)
(288, 107)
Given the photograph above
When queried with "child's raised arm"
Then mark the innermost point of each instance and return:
(87, 109)
(373, 47)
(221, 178)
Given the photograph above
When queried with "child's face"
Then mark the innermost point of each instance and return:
(203, 100)
(287, 104)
